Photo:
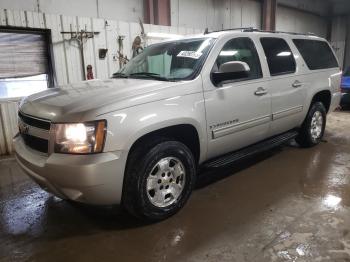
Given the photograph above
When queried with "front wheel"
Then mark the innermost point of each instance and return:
(312, 130)
(158, 182)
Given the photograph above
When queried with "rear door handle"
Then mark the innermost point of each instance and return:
(260, 91)
(297, 83)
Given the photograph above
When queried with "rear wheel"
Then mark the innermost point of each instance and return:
(159, 179)
(312, 130)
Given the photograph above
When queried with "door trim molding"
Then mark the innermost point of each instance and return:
(230, 129)
(287, 112)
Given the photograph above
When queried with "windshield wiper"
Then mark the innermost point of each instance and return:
(152, 75)
(119, 75)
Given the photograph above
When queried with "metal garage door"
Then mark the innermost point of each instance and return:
(24, 65)
(25, 68)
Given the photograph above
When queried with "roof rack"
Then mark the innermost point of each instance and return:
(253, 29)
(276, 32)
(229, 29)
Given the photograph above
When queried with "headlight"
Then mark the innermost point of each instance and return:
(80, 138)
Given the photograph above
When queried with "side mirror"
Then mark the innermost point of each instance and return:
(230, 71)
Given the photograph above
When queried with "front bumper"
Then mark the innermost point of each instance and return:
(93, 179)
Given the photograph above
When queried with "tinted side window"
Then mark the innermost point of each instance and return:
(316, 54)
(240, 49)
(279, 56)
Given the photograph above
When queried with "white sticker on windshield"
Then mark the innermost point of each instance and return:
(190, 54)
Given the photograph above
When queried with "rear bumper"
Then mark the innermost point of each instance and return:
(93, 179)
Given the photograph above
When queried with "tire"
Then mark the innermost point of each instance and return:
(311, 132)
(158, 166)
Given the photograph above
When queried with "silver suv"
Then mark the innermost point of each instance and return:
(206, 101)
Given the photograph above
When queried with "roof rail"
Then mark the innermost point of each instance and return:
(278, 32)
(253, 29)
(294, 33)
(229, 29)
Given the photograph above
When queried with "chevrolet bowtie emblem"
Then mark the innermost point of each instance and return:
(23, 128)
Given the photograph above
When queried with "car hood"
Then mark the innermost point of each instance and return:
(78, 102)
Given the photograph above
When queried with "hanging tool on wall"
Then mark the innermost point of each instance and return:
(89, 74)
(139, 41)
(123, 59)
(143, 33)
(137, 46)
(81, 37)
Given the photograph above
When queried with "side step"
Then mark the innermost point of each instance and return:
(250, 150)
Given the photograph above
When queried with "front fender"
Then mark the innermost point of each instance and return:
(128, 125)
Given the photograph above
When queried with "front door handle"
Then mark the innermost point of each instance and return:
(260, 91)
(297, 83)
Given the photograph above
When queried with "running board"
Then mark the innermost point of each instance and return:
(250, 150)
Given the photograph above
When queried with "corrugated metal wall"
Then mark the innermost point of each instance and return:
(8, 125)
(291, 20)
(130, 10)
(66, 52)
(339, 36)
(216, 14)
(347, 45)
(67, 60)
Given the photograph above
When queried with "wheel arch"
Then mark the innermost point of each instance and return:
(187, 134)
(324, 97)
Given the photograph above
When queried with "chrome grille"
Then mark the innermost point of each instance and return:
(35, 122)
(34, 131)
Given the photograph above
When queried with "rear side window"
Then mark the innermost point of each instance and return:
(279, 56)
(316, 54)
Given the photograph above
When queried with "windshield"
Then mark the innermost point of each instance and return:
(169, 61)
